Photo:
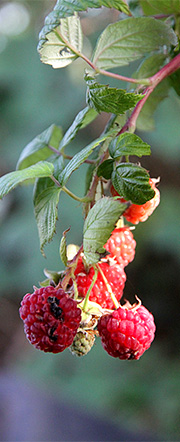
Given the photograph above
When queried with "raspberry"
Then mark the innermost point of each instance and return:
(121, 245)
(115, 276)
(136, 212)
(51, 319)
(127, 332)
(83, 342)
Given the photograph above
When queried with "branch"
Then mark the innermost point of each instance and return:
(163, 73)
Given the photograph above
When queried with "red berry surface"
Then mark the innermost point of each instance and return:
(115, 276)
(139, 213)
(127, 332)
(121, 245)
(51, 319)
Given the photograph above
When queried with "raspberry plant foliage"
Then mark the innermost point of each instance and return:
(146, 31)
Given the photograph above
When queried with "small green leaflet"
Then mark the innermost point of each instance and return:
(109, 99)
(128, 144)
(80, 157)
(63, 248)
(128, 40)
(45, 208)
(46, 198)
(66, 8)
(37, 149)
(132, 183)
(105, 169)
(63, 43)
(151, 7)
(12, 179)
(83, 118)
(98, 226)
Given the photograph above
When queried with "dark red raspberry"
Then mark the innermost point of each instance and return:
(51, 319)
(115, 276)
(127, 332)
(121, 245)
(139, 213)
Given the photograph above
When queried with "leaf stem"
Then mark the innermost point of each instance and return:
(68, 157)
(101, 71)
(75, 197)
(90, 288)
(114, 299)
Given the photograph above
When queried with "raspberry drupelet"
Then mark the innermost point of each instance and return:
(51, 319)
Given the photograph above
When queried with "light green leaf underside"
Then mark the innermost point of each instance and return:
(98, 226)
(132, 183)
(56, 50)
(149, 67)
(83, 118)
(12, 179)
(80, 157)
(151, 7)
(128, 40)
(65, 8)
(128, 144)
(37, 149)
(45, 208)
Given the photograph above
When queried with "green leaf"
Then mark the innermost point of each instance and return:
(80, 157)
(83, 118)
(63, 248)
(66, 8)
(37, 149)
(132, 183)
(12, 179)
(109, 99)
(128, 144)
(98, 226)
(105, 169)
(174, 80)
(128, 40)
(45, 208)
(156, 6)
(148, 68)
(145, 121)
(63, 43)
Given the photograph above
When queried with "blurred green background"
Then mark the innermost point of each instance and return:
(144, 394)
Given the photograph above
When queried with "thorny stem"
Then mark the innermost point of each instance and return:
(164, 72)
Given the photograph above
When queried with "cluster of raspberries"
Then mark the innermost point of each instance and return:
(54, 320)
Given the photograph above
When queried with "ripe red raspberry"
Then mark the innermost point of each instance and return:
(51, 319)
(121, 245)
(136, 212)
(127, 332)
(115, 276)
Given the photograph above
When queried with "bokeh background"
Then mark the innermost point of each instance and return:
(141, 396)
